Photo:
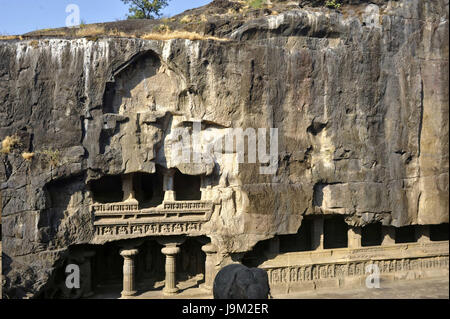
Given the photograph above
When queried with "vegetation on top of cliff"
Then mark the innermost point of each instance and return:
(159, 32)
(198, 24)
(11, 37)
(180, 35)
(202, 21)
(145, 9)
(213, 21)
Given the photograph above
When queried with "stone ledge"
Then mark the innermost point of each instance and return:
(347, 268)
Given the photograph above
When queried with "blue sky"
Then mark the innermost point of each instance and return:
(21, 16)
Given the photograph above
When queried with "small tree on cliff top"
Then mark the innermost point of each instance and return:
(145, 9)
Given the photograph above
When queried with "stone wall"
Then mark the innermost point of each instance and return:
(353, 267)
(360, 99)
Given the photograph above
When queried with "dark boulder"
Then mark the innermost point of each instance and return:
(237, 281)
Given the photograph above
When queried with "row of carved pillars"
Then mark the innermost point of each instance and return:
(170, 250)
(129, 251)
(168, 186)
(422, 233)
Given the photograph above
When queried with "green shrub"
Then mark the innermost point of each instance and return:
(145, 9)
(332, 4)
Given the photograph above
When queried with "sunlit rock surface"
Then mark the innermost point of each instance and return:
(359, 98)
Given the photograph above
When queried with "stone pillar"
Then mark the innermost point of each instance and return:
(168, 181)
(129, 288)
(317, 236)
(210, 266)
(354, 237)
(127, 188)
(171, 250)
(87, 273)
(388, 235)
(422, 233)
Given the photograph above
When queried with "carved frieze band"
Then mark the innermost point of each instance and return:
(119, 207)
(170, 218)
(186, 206)
(181, 206)
(293, 274)
(148, 229)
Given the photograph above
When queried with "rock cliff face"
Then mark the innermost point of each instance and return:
(359, 97)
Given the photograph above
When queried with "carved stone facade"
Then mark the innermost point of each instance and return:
(348, 267)
(361, 113)
(122, 220)
(119, 231)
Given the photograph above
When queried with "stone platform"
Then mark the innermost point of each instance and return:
(348, 267)
(436, 288)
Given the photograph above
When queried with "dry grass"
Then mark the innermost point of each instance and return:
(168, 20)
(11, 37)
(161, 28)
(117, 33)
(195, 18)
(27, 156)
(85, 31)
(93, 32)
(90, 31)
(186, 19)
(180, 35)
(9, 143)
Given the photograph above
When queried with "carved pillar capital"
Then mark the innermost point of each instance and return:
(170, 250)
(209, 248)
(171, 240)
(128, 253)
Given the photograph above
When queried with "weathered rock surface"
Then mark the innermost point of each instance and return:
(360, 99)
(236, 281)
